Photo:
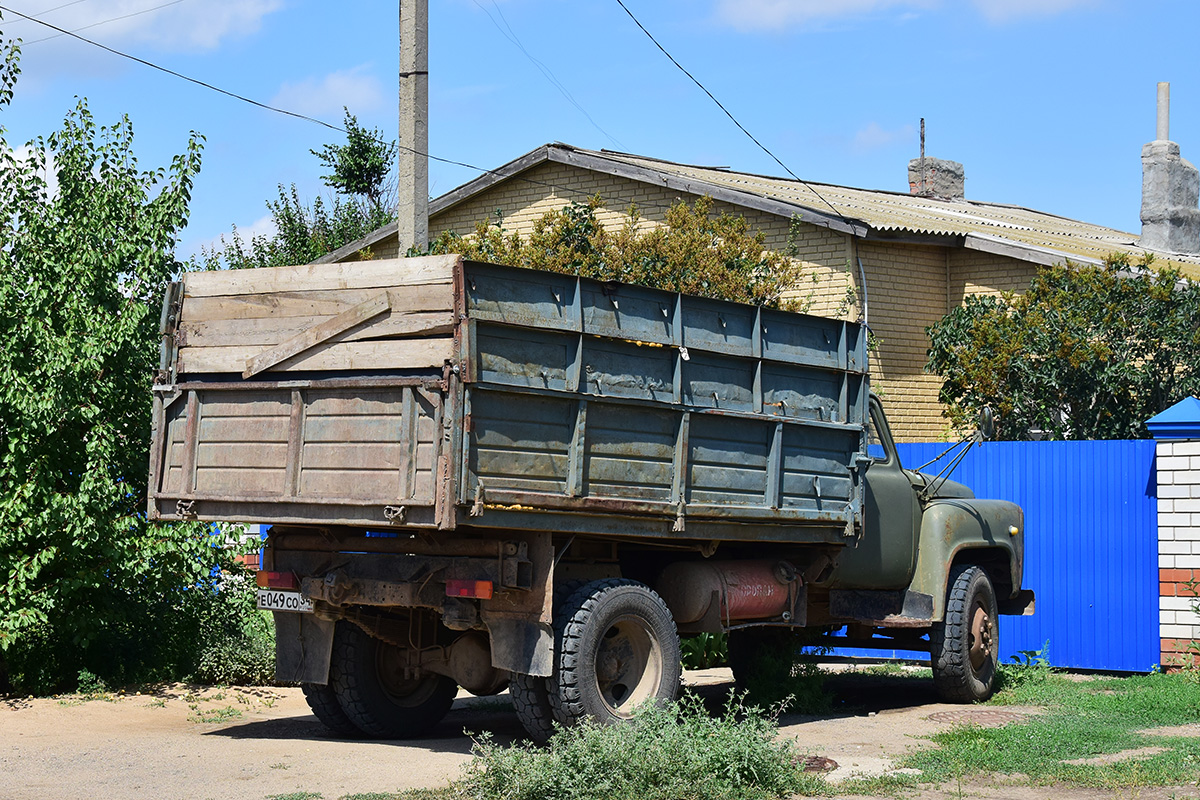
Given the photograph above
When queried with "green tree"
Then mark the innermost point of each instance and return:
(694, 252)
(361, 166)
(87, 242)
(302, 233)
(1086, 353)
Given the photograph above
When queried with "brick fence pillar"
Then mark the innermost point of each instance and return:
(1177, 463)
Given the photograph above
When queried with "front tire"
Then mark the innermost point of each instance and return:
(374, 694)
(963, 647)
(617, 647)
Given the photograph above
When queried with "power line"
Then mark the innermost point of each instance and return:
(712, 97)
(482, 170)
(511, 35)
(294, 114)
(103, 21)
(56, 8)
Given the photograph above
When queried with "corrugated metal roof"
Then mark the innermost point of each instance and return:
(895, 212)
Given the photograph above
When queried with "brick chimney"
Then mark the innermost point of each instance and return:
(942, 179)
(1170, 190)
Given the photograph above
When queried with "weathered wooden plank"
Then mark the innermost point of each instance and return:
(342, 356)
(258, 404)
(311, 337)
(241, 454)
(351, 403)
(347, 275)
(230, 429)
(272, 330)
(240, 480)
(353, 429)
(327, 303)
(349, 483)
(354, 456)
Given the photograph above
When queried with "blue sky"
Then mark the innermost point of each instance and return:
(1046, 102)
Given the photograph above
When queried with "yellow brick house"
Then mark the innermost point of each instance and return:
(921, 253)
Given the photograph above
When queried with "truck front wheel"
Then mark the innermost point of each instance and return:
(617, 648)
(963, 647)
(374, 693)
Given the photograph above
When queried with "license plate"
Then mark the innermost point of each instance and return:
(276, 600)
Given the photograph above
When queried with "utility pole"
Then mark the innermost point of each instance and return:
(413, 173)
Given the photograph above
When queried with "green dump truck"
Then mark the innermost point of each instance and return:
(484, 476)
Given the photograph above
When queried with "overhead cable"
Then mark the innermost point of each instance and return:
(734, 119)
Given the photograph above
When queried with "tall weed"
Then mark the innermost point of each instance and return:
(667, 751)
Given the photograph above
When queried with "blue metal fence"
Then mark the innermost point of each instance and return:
(1091, 546)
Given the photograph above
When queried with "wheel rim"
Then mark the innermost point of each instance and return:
(391, 661)
(982, 636)
(629, 665)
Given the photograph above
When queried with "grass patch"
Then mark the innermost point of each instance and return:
(667, 752)
(1083, 720)
(295, 796)
(225, 714)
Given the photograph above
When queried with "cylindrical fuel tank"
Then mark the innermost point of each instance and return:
(758, 589)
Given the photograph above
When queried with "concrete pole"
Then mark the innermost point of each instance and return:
(1164, 112)
(413, 175)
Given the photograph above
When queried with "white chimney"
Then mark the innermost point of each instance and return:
(1170, 190)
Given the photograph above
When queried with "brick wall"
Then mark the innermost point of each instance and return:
(1178, 467)
(974, 272)
(907, 293)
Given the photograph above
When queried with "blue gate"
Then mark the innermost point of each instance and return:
(1091, 546)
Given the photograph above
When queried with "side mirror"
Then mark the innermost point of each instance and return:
(987, 423)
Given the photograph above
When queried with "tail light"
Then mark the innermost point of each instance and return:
(277, 580)
(480, 590)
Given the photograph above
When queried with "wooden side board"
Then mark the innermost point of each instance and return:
(316, 277)
(312, 303)
(268, 331)
(360, 355)
(391, 314)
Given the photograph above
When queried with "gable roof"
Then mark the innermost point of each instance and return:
(1013, 231)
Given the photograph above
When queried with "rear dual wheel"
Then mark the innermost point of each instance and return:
(372, 694)
(616, 647)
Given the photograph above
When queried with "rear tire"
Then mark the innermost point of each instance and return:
(531, 694)
(531, 698)
(963, 647)
(323, 702)
(616, 647)
(375, 696)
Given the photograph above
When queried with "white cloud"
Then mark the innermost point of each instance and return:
(748, 15)
(355, 89)
(1009, 10)
(874, 137)
(183, 25)
(263, 226)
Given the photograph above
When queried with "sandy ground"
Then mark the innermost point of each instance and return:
(254, 743)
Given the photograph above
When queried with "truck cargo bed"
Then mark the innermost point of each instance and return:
(437, 393)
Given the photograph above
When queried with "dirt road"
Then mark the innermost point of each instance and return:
(254, 743)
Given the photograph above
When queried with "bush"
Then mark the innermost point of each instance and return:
(704, 650)
(237, 641)
(1029, 669)
(668, 751)
(209, 632)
